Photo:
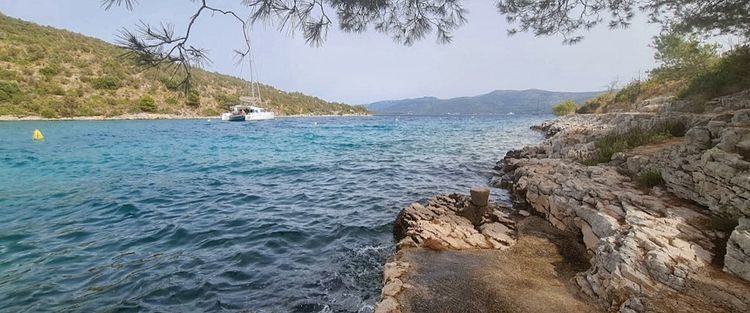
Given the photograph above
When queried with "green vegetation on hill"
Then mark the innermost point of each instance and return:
(55, 73)
(692, 71)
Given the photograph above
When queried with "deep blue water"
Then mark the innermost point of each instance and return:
(291, 215)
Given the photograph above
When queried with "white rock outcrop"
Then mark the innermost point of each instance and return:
(643, 241)
(640, 243)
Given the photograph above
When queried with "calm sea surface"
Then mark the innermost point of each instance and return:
(291, 215)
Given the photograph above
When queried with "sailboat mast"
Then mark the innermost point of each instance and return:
(254, 85)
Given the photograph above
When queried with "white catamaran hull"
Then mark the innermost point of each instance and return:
(259, 116)
(232, 117)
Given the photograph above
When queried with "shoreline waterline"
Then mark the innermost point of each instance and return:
(148, 117)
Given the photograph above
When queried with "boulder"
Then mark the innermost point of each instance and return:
(699, 137)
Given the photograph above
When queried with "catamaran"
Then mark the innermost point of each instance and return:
(245, 111)
(249, 107)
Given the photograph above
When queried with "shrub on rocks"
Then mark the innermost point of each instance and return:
(620, 142)
(566, 107)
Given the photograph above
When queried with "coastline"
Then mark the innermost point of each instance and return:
(149, 116)
(682, 243)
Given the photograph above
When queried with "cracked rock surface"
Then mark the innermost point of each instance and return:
(649, 246)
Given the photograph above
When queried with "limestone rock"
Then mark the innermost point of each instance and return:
(387, 305)
(743, 149)
(700, 137)
(737, 260)
(741, 117)
(445, 222)
(643, 242)
(448, 222)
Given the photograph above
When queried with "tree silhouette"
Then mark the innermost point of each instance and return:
(408, 21)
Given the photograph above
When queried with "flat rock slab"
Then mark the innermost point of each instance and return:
(534, 275)
(453, 222)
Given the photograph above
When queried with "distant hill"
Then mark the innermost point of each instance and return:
(56, 73)
(496, 102)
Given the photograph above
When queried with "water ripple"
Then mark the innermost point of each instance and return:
(291, 215)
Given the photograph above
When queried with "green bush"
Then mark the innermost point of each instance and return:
(35, 53)
(8, 90)
(731, 74)
(171, 100)
(50, 70)
(630, 93)
(193, 99)
(96, 104)
(224, 100)
(78, 92)
(9, 110)
(566, 107)
(596, 104)
(147, 104)
(68, 107)
(9, 54)
(48, 112)
(620, 142)
(7, 74)
(589, 107)
(650, 179)
(106, 82)
(50, 88)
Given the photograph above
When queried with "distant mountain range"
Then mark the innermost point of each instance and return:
(496, 102)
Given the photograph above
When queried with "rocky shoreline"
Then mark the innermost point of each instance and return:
(681, 245)
(146, 116)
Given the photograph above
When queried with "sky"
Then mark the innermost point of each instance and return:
(368, 67)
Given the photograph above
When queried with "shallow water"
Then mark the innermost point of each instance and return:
(291, 215)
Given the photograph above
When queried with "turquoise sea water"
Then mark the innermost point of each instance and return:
(290, 215)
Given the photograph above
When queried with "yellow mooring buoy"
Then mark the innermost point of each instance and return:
(37, 135)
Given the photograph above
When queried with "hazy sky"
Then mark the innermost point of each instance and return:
(362, 68)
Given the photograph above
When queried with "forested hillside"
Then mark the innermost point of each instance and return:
(55, 73)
